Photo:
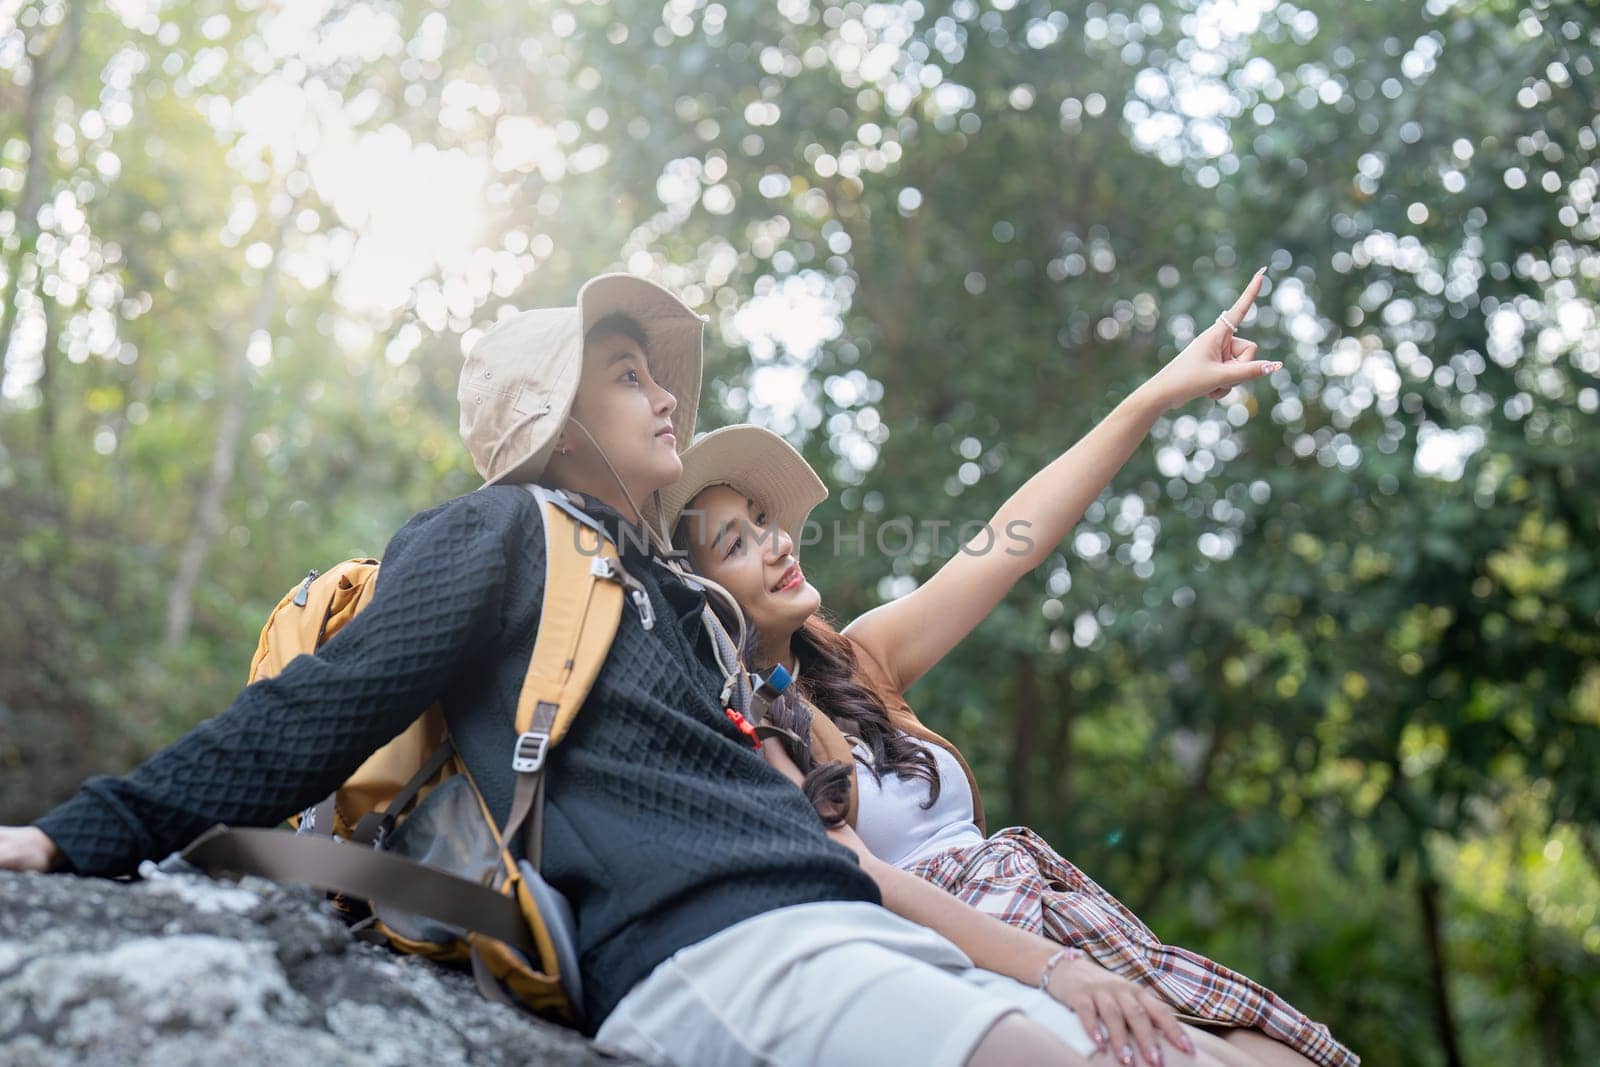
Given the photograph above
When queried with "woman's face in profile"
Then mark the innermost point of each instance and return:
(731, 540)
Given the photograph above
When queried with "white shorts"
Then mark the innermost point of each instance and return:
(830, 983)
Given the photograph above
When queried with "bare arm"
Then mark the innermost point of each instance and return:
(911, 634)
(289, 740)
(1127, 1012)
(28, 848)
(1100, 998)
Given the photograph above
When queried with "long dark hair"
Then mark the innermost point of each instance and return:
(826, 785)
(828, 681)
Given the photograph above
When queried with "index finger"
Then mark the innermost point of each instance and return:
(1168, 1024)
(1241, 306)
(1116, 1027)
(1138, 1017)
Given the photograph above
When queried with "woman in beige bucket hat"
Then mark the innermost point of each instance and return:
(738, 510)
(521, 419)
(714, 917)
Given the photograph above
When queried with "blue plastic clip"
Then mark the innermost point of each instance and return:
(779, 680)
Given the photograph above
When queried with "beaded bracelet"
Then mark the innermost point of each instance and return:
(1066, 952)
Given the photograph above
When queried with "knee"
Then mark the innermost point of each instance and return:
(1015, 1039)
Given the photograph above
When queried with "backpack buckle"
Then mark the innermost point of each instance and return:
(605, 567)
(765, 691)
(647, 614)
(528, 755)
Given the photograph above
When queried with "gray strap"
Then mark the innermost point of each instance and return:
(488, 985)
(797, 749)
(528, 799)
(323, 814)
(534, 844)
(385, 879)
(374, 823)
(767, 730)
(728, 656)
(559, 498)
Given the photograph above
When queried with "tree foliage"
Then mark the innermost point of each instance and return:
(1316, 683)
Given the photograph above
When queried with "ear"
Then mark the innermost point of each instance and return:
(564, 438)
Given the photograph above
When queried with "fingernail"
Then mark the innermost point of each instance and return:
(1188, 1046)
(1155, 1056)
(1127, 1054)
(1263, 270)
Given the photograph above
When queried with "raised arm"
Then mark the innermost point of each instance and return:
(289, 740)
(911, 634)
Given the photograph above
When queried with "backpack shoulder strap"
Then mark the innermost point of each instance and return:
(582, 607)
(545, 495)
(737, 693)
(581, 610)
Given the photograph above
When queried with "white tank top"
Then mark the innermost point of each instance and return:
(894, 825)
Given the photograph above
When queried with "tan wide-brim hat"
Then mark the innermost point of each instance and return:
(519, 380)
(754, 461)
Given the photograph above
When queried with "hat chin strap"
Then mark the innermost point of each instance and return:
(656, 541)
(659, 540)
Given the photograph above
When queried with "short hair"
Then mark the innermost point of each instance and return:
(618, 322)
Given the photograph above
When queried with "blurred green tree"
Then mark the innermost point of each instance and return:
(1315, 685)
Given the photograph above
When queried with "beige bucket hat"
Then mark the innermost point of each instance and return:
(519, 380)
(756, 462)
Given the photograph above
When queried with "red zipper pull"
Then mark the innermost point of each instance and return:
(743, 725)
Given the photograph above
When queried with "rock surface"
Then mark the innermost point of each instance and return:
(179, 970)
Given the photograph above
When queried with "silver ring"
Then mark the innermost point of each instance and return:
(1222, 318)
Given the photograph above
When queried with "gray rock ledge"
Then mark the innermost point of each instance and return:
(181, 971)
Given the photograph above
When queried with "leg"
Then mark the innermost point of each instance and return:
(842, 984)
(1210, 1050)
(1017, 1039)
(1264, 1051)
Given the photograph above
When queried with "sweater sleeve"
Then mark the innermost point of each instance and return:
(288, 741)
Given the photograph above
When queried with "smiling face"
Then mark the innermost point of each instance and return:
(731, 542)
(629, 416)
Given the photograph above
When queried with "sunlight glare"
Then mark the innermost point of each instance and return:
(415, 207)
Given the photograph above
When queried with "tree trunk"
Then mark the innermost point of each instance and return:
(63, 50)
(1544, 984)
(1195, 795)
(1061, 712)
(1590, 845)
(208, 515)
(1024, 740)
(47, 411)
(1438, 973)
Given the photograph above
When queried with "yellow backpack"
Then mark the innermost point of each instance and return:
(407, 838)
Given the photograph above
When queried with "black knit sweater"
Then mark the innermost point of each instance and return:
(662, 825)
